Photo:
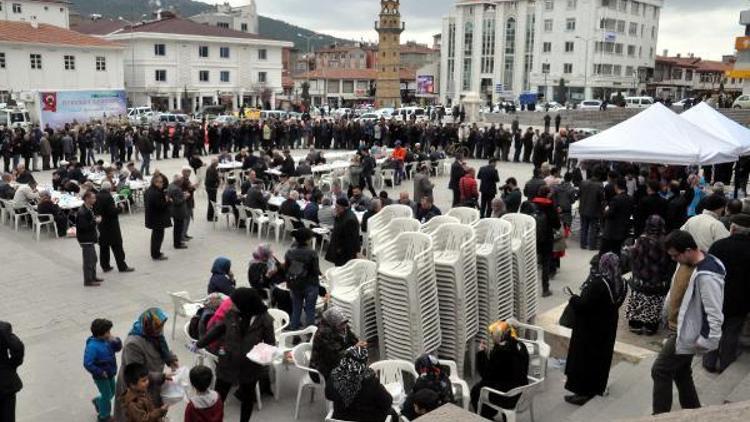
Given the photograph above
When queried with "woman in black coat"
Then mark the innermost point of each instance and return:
(503, 367)
(331, 341)
(11, 357)
(594, 329)
(356, 392)
(157, 214)
(246, 325)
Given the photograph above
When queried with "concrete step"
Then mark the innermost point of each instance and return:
(741, 391)
(626, 380)
(715, 388)
(549, 405)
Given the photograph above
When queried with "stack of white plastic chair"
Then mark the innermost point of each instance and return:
(494, 272)
(525, 275)
(456, 269)
(431, 227)
(384, 237)
(382, 218)
(407, 299)
(465, 215)
(353, 290)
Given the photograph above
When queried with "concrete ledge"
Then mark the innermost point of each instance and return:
(735, 412)
(558, 337)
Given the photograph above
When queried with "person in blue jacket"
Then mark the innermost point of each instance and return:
(222, 279)
(100, 361)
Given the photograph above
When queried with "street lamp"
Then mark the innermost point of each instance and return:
(586, 66)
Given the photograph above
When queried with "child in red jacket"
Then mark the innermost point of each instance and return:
(206, 405)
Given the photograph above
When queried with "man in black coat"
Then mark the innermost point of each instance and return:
(254, 198)
(345, 244)
(734, 253)
(590, 207)
(368, 170)
(110, 236)
(616, 219)
(157, 214)
(651, 204)
(287, 167)
(178, 208)
(532, 186)
(212, 186)
(291, 208)
(11, 357)
(457, 172)
(489, 179)
(87, 237)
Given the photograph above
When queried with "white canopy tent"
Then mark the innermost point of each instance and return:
(706, 117)
(656, 135)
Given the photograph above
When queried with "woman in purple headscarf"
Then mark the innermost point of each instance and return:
(594, 329)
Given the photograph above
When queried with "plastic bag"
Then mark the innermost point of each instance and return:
(263, 354)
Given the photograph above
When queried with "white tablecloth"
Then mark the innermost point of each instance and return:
(230, 166)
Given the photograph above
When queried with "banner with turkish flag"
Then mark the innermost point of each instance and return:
(49, 101)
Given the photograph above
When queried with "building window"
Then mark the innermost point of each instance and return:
(224, 52)
(677, 73)
(510, 51)
(633, 29)
(569, 46)
(2, 60)
(688, 75)
(101, 64)
(488, 45)
(549, 4)
(243, 27)
(616, 70)
(570, 24)
(603, 69)
(160, 75)
(623, 5)
(546, 47)
(451, 55)
(629, 71)
(656, 14)
(651, 53)
(620, 27)
(262, 54)
(333, 86)
(16, 7)
(160, 50)
(545, 67)
(612, 4)
(608, 24)
(618, 49)
(203, 75)
(202, 51)
(548, 25)
(631, 51)
(635, 8)
(529, 50)
(640, 52)
(653, 32)
(36, 61)
(568, 68)
(572, 4)
(263, 77)
(347, 87)
(468, 42)
(223, 25)
(224, 76)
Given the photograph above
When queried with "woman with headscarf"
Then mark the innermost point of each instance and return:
(211, 304)
(355, 390)
(146, 345)
(331, 341)
(652, 273)
(503, 366)
(264, 274)
(222, 279)
(245, 325)
(432, 377)
(594, 329)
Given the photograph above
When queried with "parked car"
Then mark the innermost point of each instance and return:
(743, 101)
(226, 120)
(681, 103)
(554, 107)
(417, 112)
(594, 105)
(586, 131)
(369, 117)
(638, 102)
(171, 119)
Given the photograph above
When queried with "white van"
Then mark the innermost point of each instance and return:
(13, 117)
(638, 102)
(419, 112)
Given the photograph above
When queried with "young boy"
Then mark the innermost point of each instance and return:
(425, 401)
(206, 405)
(99, 359)
(138, 405)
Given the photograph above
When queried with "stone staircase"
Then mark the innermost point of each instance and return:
(630, 389)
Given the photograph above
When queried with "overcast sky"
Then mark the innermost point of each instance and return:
(704, 27)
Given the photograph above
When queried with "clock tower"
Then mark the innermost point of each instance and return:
(389, 29)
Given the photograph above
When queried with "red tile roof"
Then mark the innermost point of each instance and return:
(361, 74)
(98, 27)
(23, 32)
(181, 26)
(688, 62)
(706, 66)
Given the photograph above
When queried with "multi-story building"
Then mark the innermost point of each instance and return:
(241, 18)
(414, 55)
(36, 57)
(563, 49)
(680, 77)
(173, 63)
(51, 12)
(348, 87)
(355, 56)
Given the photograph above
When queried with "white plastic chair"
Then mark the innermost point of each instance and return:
(388, 174)
(456, 381)
(199, 356)
(280, 320)
(532, 337)
(465, 215)
(391, 374)
(275, 223)
(219, 210)
(246, 216)
(17, 214)
(301, 356)
(525, 401)
(285, 344)
(289, 224)
(6, 209)
(184, 307)
(257, 219)
(41, 220)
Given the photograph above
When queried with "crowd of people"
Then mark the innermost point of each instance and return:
(675, 232)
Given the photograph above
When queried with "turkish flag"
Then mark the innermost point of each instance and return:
(49, 100)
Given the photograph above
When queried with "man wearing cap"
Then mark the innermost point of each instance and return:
(734, 253)
(345, 244)
(706, 227)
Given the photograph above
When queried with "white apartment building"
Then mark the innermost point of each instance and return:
(38, 57)
(241, 18)
(597, 47)
(52, 12)
(176, 64)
